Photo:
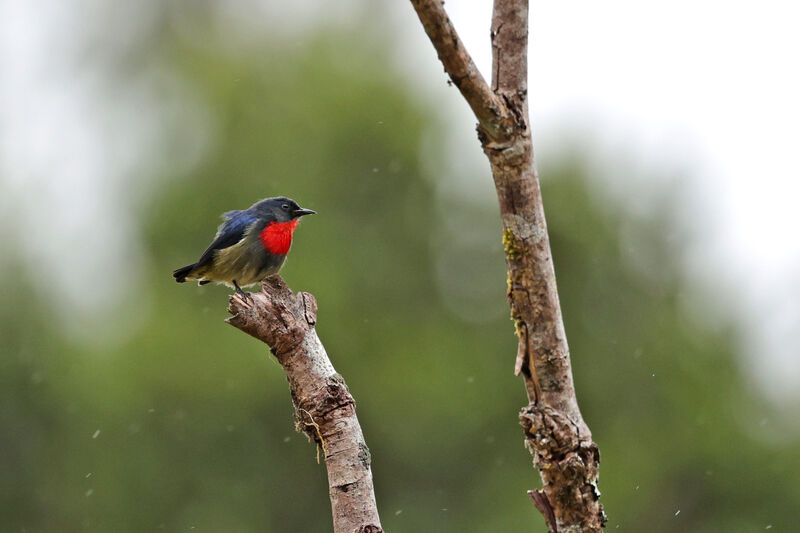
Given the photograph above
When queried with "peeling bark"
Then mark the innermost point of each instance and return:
(324, 408)
(555, 432)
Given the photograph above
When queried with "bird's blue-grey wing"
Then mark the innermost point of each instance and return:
(232, 214)
(229, 233)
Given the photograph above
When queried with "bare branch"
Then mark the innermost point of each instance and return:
(556, 434)
(510, 48)
(324, 407)
(493, 116)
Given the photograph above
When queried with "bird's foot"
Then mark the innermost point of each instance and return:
(244, 295)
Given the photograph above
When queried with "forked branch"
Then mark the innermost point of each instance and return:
(555, 432)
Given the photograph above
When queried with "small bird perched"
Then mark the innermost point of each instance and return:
(249, 246)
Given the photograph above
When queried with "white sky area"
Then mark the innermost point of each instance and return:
(705, 90)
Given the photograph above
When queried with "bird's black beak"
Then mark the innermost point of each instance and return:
(301, 212)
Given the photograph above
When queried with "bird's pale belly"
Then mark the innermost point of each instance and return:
(245, 264)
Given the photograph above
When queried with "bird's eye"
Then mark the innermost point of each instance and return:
(285, 207)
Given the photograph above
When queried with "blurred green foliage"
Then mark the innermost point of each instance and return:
(187, 425)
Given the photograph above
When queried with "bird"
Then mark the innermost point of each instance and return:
(250, 245)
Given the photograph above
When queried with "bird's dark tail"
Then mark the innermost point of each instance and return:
(181, 273)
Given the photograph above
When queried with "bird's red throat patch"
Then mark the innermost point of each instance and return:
(277, 236)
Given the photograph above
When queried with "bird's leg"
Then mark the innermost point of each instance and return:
(240, 292)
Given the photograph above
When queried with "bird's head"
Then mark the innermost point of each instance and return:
(280, 208)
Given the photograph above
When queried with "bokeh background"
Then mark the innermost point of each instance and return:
(126, 128)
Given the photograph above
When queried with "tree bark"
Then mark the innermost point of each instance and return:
(324, 408)
(555, 432)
